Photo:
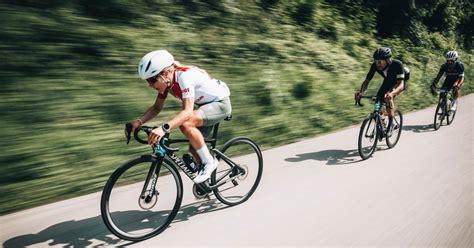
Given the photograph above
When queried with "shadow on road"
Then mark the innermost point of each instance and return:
(92, 231)
(419, 128)
(333, 156)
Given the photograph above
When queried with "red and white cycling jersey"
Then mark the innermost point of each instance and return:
(196, 83)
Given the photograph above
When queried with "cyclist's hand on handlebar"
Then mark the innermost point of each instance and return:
(135, 124)
(156, 135)
(433, 89)
(357, 97)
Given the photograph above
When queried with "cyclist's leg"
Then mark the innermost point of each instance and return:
(189, 128)
(456, 90)
(207, 115)
(447, 86)
(455, 93)
(215, 112)
(389, 105)
(196, 140)
(205, 130)
(381, 93)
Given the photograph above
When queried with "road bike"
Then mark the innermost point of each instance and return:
(443, 109)
(143, 196)
(374, 129)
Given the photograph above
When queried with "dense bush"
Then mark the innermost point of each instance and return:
(302, 89)
(304, 11)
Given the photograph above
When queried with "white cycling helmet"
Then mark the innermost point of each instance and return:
(452, 55)
(153, 63)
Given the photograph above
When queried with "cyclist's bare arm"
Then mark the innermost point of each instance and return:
(364, 86)
(154, 110)
(151, 113)
(399, 87)
(184, 115)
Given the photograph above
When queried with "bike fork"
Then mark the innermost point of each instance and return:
(154, 169)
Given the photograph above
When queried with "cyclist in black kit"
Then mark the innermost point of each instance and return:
(395, 77)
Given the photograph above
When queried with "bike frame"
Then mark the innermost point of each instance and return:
(376, 116)
(443, 97)
(161, 150)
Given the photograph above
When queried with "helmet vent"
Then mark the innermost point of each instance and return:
(148, 66)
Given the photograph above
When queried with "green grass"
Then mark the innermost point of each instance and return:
(69, 81)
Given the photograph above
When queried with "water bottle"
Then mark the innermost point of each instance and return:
(377, 106)
(190, 163)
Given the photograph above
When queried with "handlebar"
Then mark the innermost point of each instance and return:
(358, 103)
(164, 142)
(434, 90)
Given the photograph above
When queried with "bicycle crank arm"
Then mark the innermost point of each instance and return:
(224, 182)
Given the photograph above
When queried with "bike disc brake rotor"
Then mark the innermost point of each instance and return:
(148, 201)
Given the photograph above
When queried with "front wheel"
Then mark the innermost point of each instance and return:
(134, 216)
(368, 137)
(439, 115)
(397, 126)
(239, 171)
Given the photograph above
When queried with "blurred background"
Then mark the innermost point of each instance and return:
(69, 78)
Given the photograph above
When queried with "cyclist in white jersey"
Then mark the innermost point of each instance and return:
(193, 86)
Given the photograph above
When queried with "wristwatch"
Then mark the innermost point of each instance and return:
(166, 127)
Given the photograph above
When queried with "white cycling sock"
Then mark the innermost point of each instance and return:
(204, 154)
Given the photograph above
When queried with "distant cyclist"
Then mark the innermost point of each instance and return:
(453, 69)
(395, 76)
(192, 86)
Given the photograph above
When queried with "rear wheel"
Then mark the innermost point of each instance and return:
(451, 113)
(397, 126)
(239, 171)
(368, 137)
(132, 216)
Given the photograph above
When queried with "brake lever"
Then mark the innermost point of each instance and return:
(128, 126)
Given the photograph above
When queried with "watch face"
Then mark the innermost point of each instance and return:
(166, 127)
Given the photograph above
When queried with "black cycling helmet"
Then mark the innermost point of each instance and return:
(382, 53)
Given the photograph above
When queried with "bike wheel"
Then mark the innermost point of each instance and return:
(239, 171)
(397, 129)
(439, 115)
(132, 217)
(368, 137)
(451, 114)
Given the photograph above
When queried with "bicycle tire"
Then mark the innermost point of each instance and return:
(450, 116)
(439, 115)
(397, 129)
(112, 222)
(362, 134)
(257, 162)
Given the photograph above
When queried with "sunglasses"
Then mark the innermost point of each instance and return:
(152, 80)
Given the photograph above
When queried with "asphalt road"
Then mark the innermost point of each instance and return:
(316, 192)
